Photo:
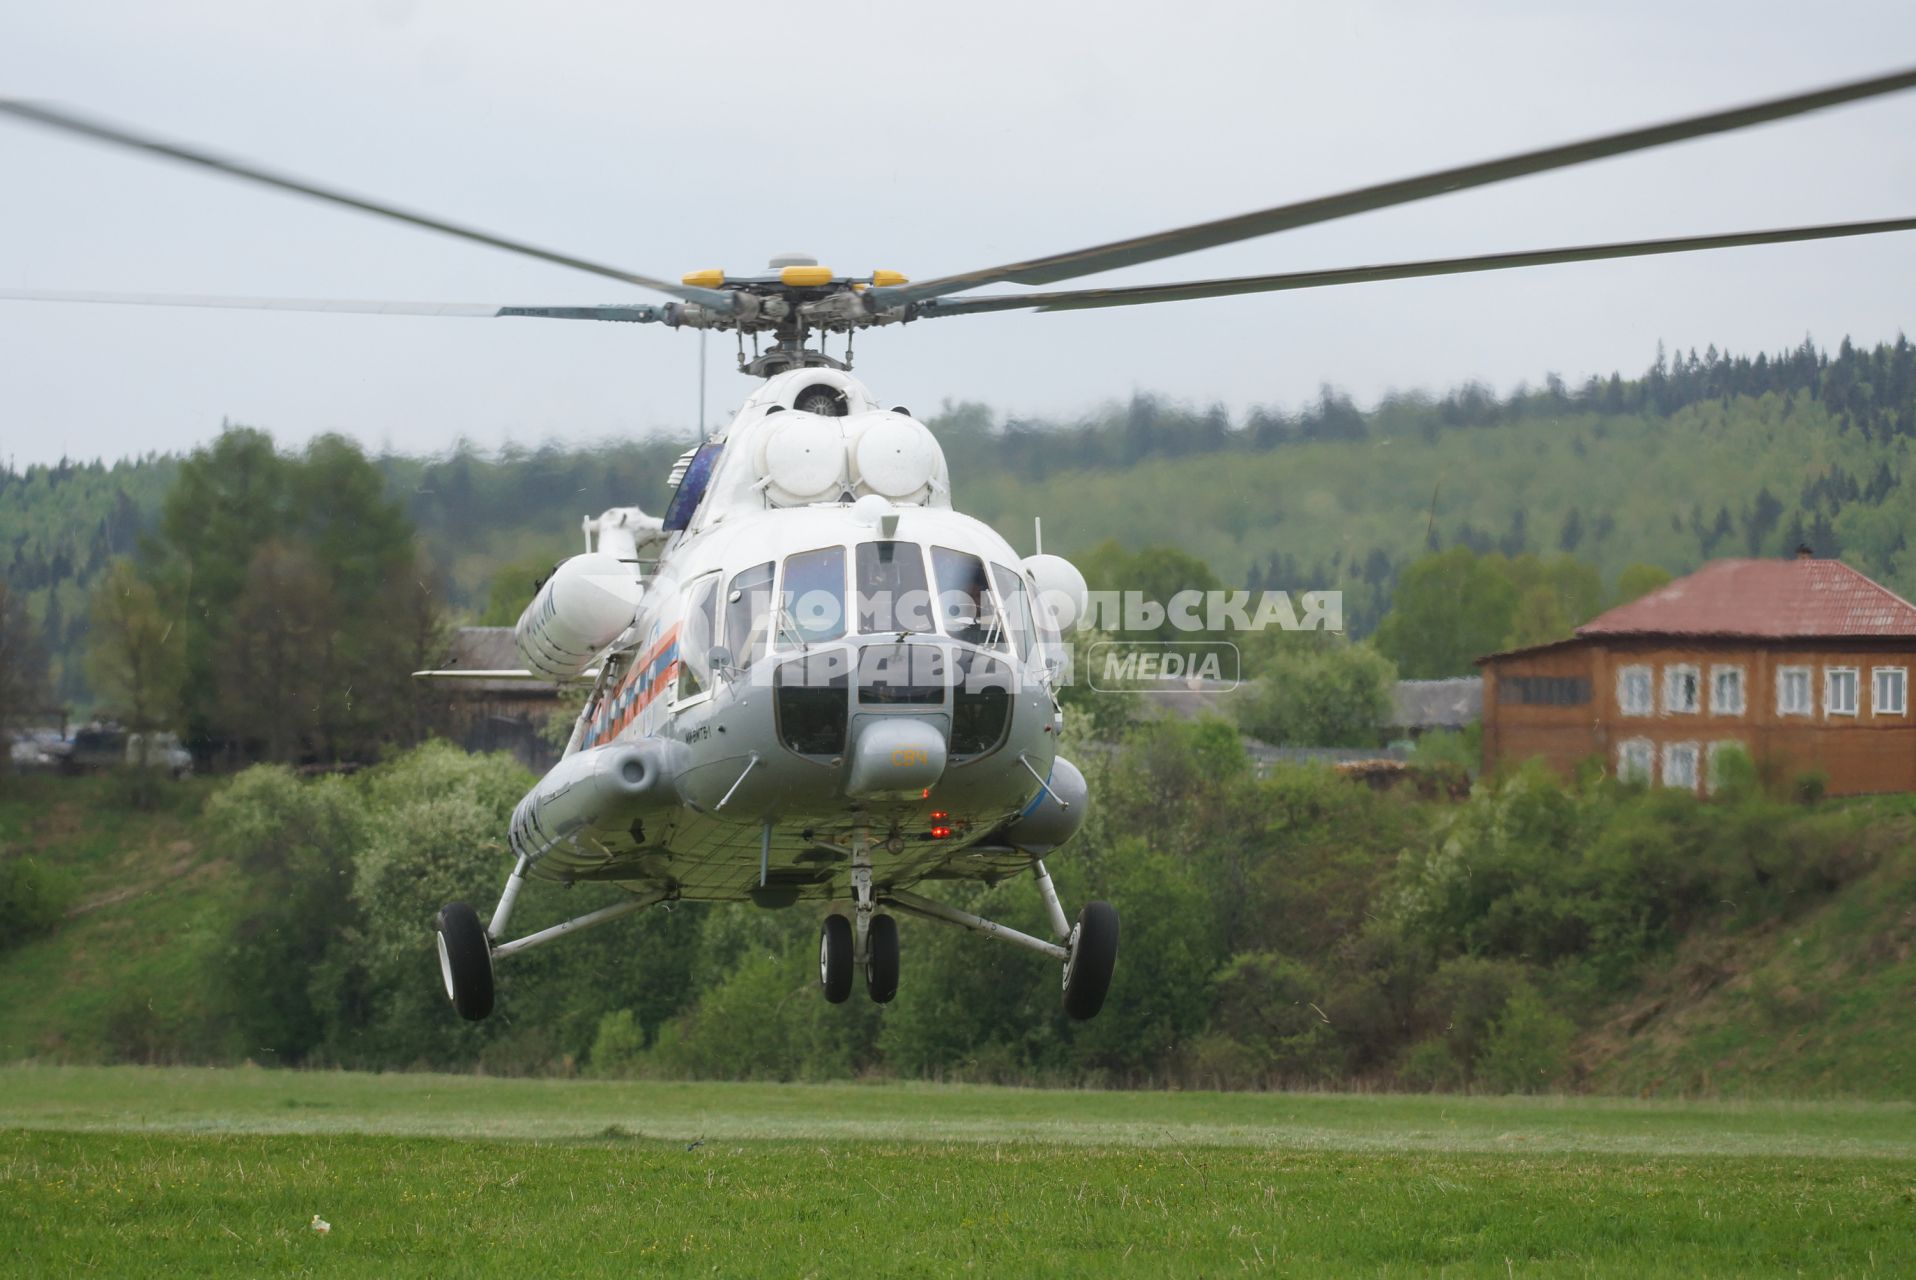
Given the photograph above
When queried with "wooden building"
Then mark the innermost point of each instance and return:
(1804, 663)
(497, 715)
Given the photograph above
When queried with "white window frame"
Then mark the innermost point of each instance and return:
(1717, 672)
(1855, 690)
(1876, 706)
(1649, 690)
(680, 698)
(1626, 772)
(1672, 674)
(1783, 675)
(1671, 750)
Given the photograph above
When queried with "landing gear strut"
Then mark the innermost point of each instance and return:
(467, 948)
(1088, 950)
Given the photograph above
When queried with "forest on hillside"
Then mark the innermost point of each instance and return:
(1702, 455)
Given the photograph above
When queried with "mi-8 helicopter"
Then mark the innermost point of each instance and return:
(811, 678)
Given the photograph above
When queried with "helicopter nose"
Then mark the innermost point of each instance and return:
(895, 756)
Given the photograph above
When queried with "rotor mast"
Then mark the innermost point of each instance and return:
(794, 300)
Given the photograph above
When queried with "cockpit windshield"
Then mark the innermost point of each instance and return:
(812, 599)
(892, 591)
(965, 602)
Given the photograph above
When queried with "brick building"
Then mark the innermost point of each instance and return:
(1805, 663)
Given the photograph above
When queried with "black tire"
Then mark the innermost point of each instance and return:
(835, 958)
(1087, 974)
(465, 960)
(881, 960)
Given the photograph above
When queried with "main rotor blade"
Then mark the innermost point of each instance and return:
(1079, 299)
(1205, 235)
(632, 313)
(101, 131)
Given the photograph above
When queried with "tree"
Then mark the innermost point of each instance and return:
(1639, 580)
(1155, 575)
(1538, 619)
(307, 602)
(1555, 596)
(275, 657)
(1449, 609)
(23, 665)
(1330, 694)
(1572, 532)
(135, 660)
(512, 587)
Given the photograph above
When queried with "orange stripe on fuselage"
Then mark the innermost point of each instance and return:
(652, 690)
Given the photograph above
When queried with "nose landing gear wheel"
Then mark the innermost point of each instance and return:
(835, 958)
(881, 960)
(1094, 954)
(465, 960)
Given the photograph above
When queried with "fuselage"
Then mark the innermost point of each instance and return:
(858, 665)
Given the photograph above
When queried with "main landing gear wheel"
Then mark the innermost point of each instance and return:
(1094, 954)
(835, 958)
(465, 960)
(881, 959)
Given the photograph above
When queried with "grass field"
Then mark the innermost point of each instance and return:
(124, 1170)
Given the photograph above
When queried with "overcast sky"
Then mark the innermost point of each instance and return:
(926, 139)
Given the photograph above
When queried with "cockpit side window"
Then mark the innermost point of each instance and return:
(692, 485)
(1018, 620)
(811, 704)
(981, 704)
(965, 603)
(748, 614)
(695, 636)
(812, 598)
(892, 592)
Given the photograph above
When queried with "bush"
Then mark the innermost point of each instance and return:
(1269, 1009)
(293, 843)
(618, 1047)
(1319, 694)
(1462, 1001)
(1431, 1065)
(1810, 787)
(1528, 1049)
(33, 900)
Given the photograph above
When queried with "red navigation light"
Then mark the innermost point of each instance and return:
(939, 815)
(941, 833)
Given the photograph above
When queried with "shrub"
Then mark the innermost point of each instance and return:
(1462, 1001)
(293, 843)
(1528, 1048)
(1431, 1065)
(1269, 1008)
(33, 899)
(619, 1046)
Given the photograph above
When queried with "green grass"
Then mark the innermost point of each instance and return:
(113, 1171)
(150, 909)
(1813, 1006)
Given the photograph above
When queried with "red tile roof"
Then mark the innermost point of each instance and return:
(1763, 599)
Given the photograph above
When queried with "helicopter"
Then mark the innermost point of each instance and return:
(812, 678)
